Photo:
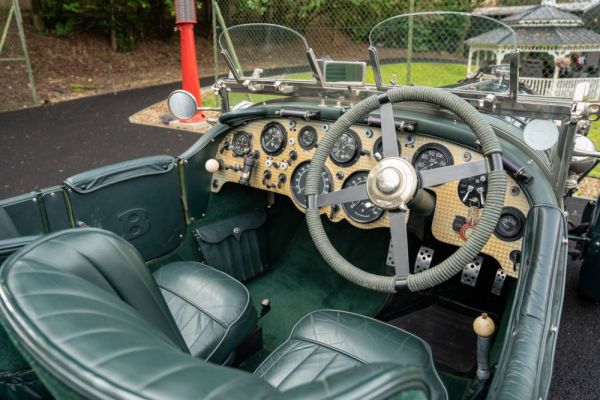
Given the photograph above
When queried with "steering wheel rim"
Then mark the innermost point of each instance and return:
(491, 150)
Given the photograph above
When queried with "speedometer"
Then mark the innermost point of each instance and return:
(298, 184)
(241, 144)
(431, 156)
(363, 211)
(273, 138)
(346, 150)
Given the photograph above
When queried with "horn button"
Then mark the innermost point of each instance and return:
(392, 183)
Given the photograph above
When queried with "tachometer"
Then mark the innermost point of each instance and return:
(346, 150)
(307, 138)
(273, 138)
(472, 191)
(241, 144)
(298, 184)
(363, 211)
(431, 156)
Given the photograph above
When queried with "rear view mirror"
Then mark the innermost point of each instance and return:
(347, 73)
(182, 104)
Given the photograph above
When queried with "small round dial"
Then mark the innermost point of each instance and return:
(431, 156)
(298, 183)
(510, 225)
(363, 211)
(307, 138)
(273, 138)
(346, 150)
(472, 191)
(241, 144)
(378, 149)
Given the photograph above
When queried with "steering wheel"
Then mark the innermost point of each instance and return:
(394, 185)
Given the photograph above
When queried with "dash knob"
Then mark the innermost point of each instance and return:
(212, 166)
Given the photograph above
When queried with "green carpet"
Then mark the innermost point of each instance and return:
(302, 282)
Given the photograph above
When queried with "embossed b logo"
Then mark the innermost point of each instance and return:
(135, 223)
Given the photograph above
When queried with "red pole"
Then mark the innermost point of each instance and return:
(185, 21)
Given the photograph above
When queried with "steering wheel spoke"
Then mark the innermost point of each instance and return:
(348, 195)
(388, 131)
(399, 243)
(438, 176)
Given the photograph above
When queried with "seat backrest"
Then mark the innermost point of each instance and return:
(109, 263)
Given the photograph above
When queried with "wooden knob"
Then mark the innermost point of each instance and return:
(484, 326)
(212, 166)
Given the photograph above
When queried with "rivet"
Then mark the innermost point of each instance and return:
(236, 231)
(554, 329)
(565, 241)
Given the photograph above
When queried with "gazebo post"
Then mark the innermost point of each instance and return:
(477, 59)
(469, 62)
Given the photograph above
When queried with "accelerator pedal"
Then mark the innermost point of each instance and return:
(424, 257)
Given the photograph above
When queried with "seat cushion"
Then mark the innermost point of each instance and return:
(326, 342)
(213, 311)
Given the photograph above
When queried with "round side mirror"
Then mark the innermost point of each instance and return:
(182, 104)
(540, 134)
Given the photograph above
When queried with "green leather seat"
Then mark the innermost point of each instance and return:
(206, 313)
(91, 320)
(326, 342)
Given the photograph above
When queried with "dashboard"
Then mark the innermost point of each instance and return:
(274, 155)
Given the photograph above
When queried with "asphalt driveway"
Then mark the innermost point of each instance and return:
(41, 147)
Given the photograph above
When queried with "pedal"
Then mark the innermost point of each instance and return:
(424, 258)
(498, 282)
(470, 272)
(390, 259)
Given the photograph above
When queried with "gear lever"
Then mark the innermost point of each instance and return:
(484, 328)
(265, 308)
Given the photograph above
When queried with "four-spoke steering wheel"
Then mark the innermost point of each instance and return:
(394, 185)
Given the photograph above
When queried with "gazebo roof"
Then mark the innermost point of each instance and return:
(540, 28)
(543, 15)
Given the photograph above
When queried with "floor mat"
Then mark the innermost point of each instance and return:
(449, 333)
(302, 282)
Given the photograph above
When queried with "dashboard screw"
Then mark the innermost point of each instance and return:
(466, 156)
(369, 133)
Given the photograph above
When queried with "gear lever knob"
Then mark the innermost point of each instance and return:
(484, 326)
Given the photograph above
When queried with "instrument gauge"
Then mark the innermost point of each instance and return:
(273, 138)
(298, 183)
(363, 211)
(431, 156)
(378, 149)
(307, 138)
(510, 225)
(346, 150)
(472, 191)
(241, 144)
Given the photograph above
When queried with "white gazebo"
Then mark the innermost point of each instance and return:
(542, 29)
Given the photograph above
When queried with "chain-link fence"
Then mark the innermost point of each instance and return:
(16, 78)
(559, 42)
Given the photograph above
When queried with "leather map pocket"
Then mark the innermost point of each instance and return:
(236, 245)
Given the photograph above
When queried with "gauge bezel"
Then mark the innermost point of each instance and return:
(239, 133)
(380, 141)
(283, 142)
(356, 156)
(292, 192)
(314, 144)
(518, 214)
(441, 148)
(344, 205)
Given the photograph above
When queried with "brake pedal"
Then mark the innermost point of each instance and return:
(424, 258)
(470, 272)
